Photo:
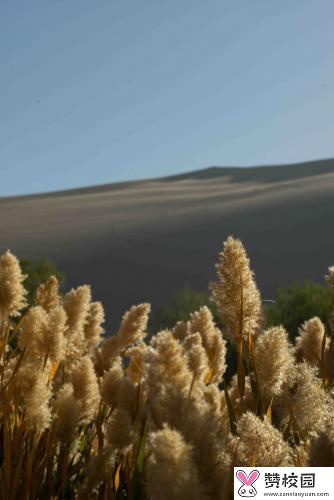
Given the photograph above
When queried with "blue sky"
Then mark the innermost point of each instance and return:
(107, 90)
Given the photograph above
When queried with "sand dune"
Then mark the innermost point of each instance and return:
(141, 241)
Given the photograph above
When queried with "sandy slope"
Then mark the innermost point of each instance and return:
(144, 240)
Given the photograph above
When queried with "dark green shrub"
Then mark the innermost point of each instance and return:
(297, 303)
(38, 272)
(184, 302)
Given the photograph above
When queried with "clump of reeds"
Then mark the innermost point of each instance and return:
(83, 416)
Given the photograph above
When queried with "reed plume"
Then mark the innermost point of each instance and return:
(310, 340)
(260, 444)
(47, 294)
(309, 401)
(12, 291)
(171, 472)
(110, 385)
(235, 292)
(155, 418)
(198, 361)
(36, 399)
(274, 361)
(76, 304)
(67, 413)
(93, 328)
(42, 334)
(330, 281)
(120, 433)
(85, 389)
(132, 330)
(133, 325)
(137, 362)
(322, 447)
(213, 342)
(181, 330)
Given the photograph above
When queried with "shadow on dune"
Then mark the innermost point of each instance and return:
(144, 241)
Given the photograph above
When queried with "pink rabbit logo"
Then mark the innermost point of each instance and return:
(247, 489)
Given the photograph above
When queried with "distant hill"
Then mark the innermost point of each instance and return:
(269, 173)
(265, 173)
(143, 240)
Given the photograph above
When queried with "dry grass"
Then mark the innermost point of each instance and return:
(87, 417)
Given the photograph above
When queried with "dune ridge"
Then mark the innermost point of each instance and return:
(143, 240)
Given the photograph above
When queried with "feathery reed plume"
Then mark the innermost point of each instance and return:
(235, 292)
(329, 355)
(171, 472)
(93, 328)
(167, 363)
(67, 412)
(260, 443)
(83, 417)
(274, 361)
(310, 339)
(85, 389)
(131, 396)
(105, 355)
(33, 327)
(132, 330)
(169, 380)
(247, 402)
(111, 383)
(76, 304)
(322, 447)
(55, 338)
(206, 428)
(36, 399)
(120, 433)
(47, 294)
(301, 455)
(137, 364)
(12, 291)
(133, 325)
(197, 358)
(215, 346)
(330, 281)
(180, 330)
(42, 334)
(119, 390)
(309, 401)
(215, 400)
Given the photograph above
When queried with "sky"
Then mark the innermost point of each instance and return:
(100, 91)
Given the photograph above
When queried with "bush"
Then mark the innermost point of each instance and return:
(184, 302)
(299, 302)
(38, 272)
(294, 304)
